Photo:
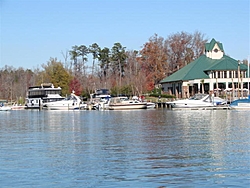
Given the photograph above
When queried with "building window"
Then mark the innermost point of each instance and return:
(236, 74)
(225, 74)
(218, 73)
(230, 74)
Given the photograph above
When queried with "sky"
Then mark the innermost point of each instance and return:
(33, 31)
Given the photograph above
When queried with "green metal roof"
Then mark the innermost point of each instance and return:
(210, 46)
(198, 68)
(193, 70)
(225, 63)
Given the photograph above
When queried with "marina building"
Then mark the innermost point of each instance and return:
(211, 72)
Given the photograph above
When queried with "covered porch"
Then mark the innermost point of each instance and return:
(219, 87)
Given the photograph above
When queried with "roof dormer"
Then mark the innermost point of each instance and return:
(214, 49)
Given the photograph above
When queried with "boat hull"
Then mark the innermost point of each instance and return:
(240, 104)
(240, 108)
(186, 105)
(151, 105)
(127, 106)
(18, 107)
(118, 103)
(5, 108)
(72, 102)
(198, 101)
(64, 107)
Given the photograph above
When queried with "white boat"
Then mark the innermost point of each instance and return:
(241, 104)
(102, 104)
(72, 102)
(141, 99)
(5, 108)
(37, 95)
(151, 105)
(198, 101)
(100, 99)
(118, 103)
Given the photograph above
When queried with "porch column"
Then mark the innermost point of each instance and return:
(199, 86)
(211, 85)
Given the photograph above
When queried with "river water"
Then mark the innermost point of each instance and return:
(139, 148)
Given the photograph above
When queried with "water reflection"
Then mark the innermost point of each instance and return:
(144, 148)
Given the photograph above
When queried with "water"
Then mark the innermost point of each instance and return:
(140, 148)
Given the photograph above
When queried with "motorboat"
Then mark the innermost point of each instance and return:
(102, 104)
(240, 104)
(118, 103)
(198, 101)
(151, 105)
(18, 107)
(5, 108)
(100, 99)
(44, 93)
(72, 102)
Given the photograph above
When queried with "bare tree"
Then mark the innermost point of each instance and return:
(183, 48)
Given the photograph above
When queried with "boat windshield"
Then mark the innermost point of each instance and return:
(71, 97)
(197, 97)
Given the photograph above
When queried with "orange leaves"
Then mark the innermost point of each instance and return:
(154, 59)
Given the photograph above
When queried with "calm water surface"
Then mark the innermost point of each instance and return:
(144, 148)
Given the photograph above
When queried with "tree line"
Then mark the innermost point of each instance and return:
(122, 71)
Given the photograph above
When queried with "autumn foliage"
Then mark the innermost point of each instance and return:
(75, 86)
(118, 69)
(153, 60)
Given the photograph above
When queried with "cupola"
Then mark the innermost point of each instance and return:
(214, 49)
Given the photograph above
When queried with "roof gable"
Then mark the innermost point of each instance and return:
(209, 46)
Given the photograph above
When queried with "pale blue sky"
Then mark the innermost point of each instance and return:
(32, 31)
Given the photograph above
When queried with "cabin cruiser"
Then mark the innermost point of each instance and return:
(118, 103)
(102, 104)
(72, 102)
(46, 92)
(149, 104)
(198, 101)
(100, 99)
(241, 104)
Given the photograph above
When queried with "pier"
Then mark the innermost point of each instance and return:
(162, 105)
